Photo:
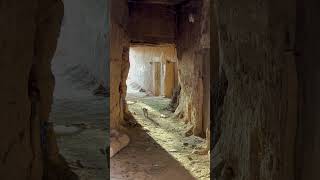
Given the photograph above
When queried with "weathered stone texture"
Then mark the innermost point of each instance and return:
(258, 129)
(193, 55)
(28, 36)
(152, 23)
(308, 66)
(119, 60)
(16, 55)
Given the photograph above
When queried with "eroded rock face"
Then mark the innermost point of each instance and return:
(119, 60)
(308, 54)
(29, 37)
(152, 23)
(193, 64)
(258, 123)
(17, 34)
(82, 51)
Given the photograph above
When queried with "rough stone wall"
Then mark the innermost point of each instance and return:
(28, 39)
(258, 121)
(16, 56)
(152, 23)
(205, 55)
(83, 40)
(308, 64)
(119, 60)
(193, 56)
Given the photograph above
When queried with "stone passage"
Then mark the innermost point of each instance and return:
(168, 61)
(246, 72)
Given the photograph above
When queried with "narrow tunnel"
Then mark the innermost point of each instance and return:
(247, 88)
(160, 90)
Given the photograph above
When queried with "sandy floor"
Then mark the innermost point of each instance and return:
(158, 150)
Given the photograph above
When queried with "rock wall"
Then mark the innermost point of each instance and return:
(81, 62)
(16, 59)
(193, 44)
(28, 42)
(119, 60)
(82, 44)
(308, 66)
(160, 21)
(258, 118)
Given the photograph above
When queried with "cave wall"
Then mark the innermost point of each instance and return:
(28, 36)
(308, 54)
(119, 60)
(152, 23)
(16, 54)
(256, 39)
(205, 45)
(82, 52)
(193, 45)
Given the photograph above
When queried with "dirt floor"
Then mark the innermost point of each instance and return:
(158, 149)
